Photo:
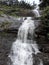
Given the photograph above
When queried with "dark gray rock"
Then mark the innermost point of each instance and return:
(44, 57)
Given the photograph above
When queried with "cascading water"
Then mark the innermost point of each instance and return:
(24, 48)
(36, 11)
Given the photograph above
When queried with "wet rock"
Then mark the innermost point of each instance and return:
(44, 57)
(36, 60)
(10, 23)
(6, 40)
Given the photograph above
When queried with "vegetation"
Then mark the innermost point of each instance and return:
(44, 3)
(15, 9)
(43, 32)
(21, 4)
(5, 25)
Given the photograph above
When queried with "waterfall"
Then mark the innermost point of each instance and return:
(25, 48)
(36, 11)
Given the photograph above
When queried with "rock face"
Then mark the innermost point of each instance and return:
(6, 40)
(26, 14)
(44, 57)
(43, 45)
(9, 23)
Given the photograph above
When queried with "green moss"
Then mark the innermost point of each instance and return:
(1, 12)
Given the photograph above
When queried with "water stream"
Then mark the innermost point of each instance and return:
(25, 48)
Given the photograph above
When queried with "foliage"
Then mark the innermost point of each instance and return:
(1, 12)
(16, 8)
(44, 28)
(21, 4)
(13, 10)
(44, 3)
(45, 22)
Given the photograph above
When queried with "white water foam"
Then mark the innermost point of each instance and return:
(23, 49)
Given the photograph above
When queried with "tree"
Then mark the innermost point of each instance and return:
(44, 29)
(23, 4)
(45, 21)
(44, 3)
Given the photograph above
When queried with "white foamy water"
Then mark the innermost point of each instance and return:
(24, 48)
(36, 11)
